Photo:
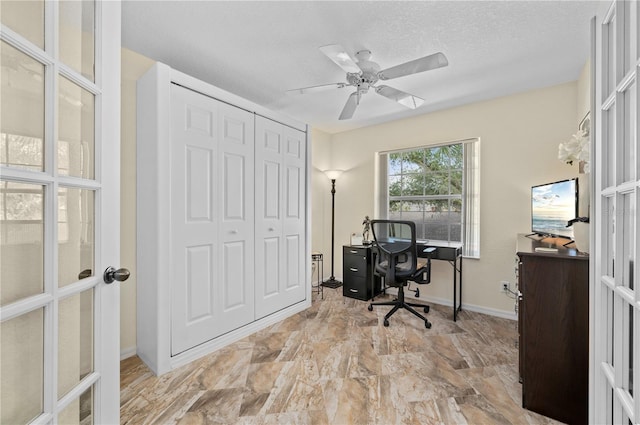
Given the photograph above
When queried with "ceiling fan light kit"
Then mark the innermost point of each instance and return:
(364, 74)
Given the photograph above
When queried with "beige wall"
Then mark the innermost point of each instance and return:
(133, 66)
(519, 145)
(321, 160)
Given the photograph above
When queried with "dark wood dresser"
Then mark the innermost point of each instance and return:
(553, 323)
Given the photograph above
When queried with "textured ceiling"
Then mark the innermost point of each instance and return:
(259, 50)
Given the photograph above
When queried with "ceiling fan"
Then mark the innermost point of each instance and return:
(364, 74)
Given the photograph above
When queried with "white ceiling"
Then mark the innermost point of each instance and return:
(258, 50)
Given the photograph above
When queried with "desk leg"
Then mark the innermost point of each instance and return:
(457, 286)
(460, 278)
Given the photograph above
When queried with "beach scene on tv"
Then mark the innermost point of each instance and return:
(552, 206)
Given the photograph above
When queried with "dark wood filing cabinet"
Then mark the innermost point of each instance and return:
(553, 322)
(358, 278)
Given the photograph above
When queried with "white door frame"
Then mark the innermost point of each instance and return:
(108, 311)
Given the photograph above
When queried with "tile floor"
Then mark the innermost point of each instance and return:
(335, 363)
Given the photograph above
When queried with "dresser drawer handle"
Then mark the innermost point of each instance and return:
(352, 269)
(353, 290)
(353, 251)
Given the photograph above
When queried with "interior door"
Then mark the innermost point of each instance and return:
(212, 218)
(280, 216)
(615, 310)
(59, 204)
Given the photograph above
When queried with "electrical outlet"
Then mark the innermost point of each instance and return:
(504, 286)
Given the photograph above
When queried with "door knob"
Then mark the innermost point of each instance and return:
(111, 274)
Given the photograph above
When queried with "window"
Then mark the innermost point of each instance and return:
(437, 187)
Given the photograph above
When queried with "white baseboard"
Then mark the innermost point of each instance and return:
(505, 314)
(127, 352)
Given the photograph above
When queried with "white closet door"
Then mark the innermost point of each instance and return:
(279, 271)
(194, 221)
(236, 211)
(294, 215)
(212, 218)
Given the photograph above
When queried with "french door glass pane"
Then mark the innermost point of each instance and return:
(79, 411)
(22, 238)
(76, 35)
(21, 367)
(76, 237)
(22, 110)
(608, 83)
(26, 18)
(629, 344)
(75, 340)
(609, 150)
(610, 326)
(75, 130)
(628, 138)
(627, 233)
(637, 28)
(608, 234)
(625, 53)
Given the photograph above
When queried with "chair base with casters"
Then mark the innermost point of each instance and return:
(399, 303)
(423, 275)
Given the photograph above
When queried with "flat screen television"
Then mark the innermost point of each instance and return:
(552, 206)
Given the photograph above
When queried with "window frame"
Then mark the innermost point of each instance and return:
(469, 196)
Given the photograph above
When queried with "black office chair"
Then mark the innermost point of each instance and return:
(397, 261)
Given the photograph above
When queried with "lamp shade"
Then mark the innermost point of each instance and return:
(333, 174)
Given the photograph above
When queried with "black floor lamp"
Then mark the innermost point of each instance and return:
(333, 175)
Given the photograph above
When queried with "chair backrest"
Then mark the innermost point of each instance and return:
(397, 249)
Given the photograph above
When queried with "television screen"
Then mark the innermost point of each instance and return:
(552, 206)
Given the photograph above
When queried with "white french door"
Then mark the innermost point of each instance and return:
(59, 211)
(615, 311)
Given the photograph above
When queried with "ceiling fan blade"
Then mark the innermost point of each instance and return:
(437, 60)
(350, 106)
(336, 53)
(405, 99)
(314, 89)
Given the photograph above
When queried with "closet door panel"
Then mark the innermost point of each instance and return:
(293, 259)
(270, 275)
(198, 183)
(279, 204)
(198, 278)
(269, 244)
(234, 297)
(236, 212)
(271, 190)
(294, 219)
(194, 316)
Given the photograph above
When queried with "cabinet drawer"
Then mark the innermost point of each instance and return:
(356, 287)
(354, 250)
(354, 264)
